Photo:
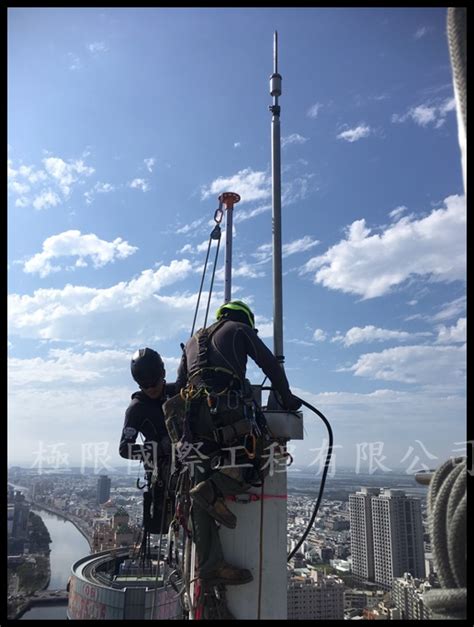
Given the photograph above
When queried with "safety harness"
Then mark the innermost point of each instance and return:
(224, 392)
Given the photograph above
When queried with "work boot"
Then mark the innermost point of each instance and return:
(203, 495)
(228, 575)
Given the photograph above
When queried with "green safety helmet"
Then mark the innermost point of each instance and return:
(236, 305)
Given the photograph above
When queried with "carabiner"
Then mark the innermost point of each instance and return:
(219, 214)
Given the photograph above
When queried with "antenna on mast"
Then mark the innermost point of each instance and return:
(275, 92)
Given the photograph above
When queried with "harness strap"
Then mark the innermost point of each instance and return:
(203, 337)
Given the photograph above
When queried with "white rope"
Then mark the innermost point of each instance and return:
(457, 38)
(447, 505)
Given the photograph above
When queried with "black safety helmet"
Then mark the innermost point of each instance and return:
(147, 367)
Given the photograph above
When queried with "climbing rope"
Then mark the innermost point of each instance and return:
(447, 506)
(214, 235)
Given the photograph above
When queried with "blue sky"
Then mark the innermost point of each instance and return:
(125, 125)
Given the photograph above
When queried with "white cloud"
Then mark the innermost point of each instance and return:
(189, 228)
(241, 216)
(427, 113)
(200, 248)
(11, 172)
(248, 184)
(397, 212)
(74, 244)
(247, 271)
(99, 188)
(299, 245)
(64, 366)
(447, 105)
(450, 310)
(39, 175)
(421, 32)
(75, 313)
(103, 188)
(19, 188)
(265, 329)
(254, 186)
(294, 138)
(452, 335)
(264, 252)
(369, 333)
(423, 115)
(319, 335)
(440, 367)
(383, 416)
(139, 184)
(74, 61)
(66, 174)
(187, 248)
(237, 144)
(46, 199)
(97, 47)
(57, 172)
(432, 247)
(301, 342)
(296, 190)
(354, 134)
(27, 172)
(150, 163)
(314, 110)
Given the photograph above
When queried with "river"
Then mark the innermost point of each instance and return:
(67, 546)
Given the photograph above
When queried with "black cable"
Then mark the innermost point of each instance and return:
(323, 478)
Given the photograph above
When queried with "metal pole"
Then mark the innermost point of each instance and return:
(275, 91)
(228, 254)
(229, 199)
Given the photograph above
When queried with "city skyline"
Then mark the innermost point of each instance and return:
(327, 548)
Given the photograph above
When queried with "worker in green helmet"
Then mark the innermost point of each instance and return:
(215, 360)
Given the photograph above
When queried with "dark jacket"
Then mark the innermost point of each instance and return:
(229, 347)
(145, 415)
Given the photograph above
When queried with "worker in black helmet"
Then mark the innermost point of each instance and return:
(145, 414)
(215, 360)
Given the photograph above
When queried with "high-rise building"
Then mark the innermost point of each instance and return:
(362, 545)
(386, 535)
(398, 536)
(103, 489)
(407, 595)
(317, 596)
(20, 517)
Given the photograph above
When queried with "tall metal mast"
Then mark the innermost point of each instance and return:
(260, 541)
(229, 199)
(275, 92)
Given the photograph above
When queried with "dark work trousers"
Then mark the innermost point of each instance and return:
(226, 482)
